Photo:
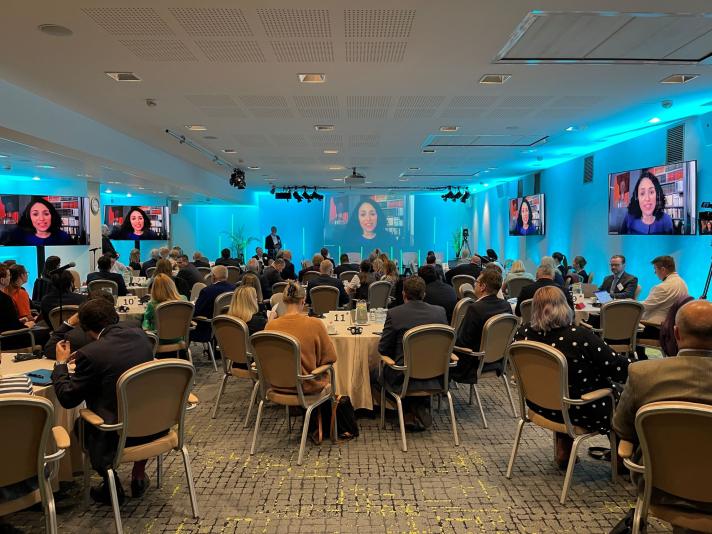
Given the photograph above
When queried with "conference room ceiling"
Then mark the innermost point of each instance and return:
(395, 74)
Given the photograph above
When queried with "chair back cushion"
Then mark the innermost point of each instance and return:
(233, 274)
(497, 335)
(459, 312)
(55, 318)
(309, 276)
(460, 279)
(173, 319)
(515, 285)
(525, 308)
(378, 293)
(324, 299)
(222, 303)
(347, 276)
(620, 318)
(278, 287)
(99, 285)
(541, 373)
(277, 356)
(233, 338)
(427, 350)
(195, 290)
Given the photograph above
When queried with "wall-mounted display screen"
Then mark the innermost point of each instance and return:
(138, 222)
(29, 220)
(653, 200)
(526, 215)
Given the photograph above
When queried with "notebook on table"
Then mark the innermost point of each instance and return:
(40, 377)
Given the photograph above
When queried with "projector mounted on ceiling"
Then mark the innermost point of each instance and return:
(355, 178)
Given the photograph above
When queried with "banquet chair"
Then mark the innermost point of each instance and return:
(638, 291)
(460, 279)
(220, 306)
(619, 322)
(151, 398)
(30, 420)
(55, 318)
(278, 299)
(497, 334)
(104, 285)
(323, 299)
(31, 347)
(233, 341)
(466, 290)
(539, 369)
(459, 312)
(591, 276)
(278, 360)
(150, 271)
(525, 309)
(233, 274)
(347, 276)
(650, 343)
(278, 287)
(679, 466)
(204, 271)
(427, 354)
(378, 293)
(208, 279)
(195, 290)
(174, 321)
(514, 286)
(309, 276)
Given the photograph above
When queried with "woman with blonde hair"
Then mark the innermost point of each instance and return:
(516, 271)
(135, 259)
(162, 290)
(253, 281)
(166, 267)
(379, 268)
(591, 363)
(244, 306)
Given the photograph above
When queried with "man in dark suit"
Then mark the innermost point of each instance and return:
(226, 260)
(188, 272)
(206, 301)
(438, 292)
(273, 244)
(544, 277)
(260, 256)
(326, 278)
(104, 265)
(316, 261)
(413, 312)
(199, 260)
(270, 276)
(288, 273)
(620, 284)
(473, 268)
(430, 259)
(470, 335)
(151, 262)
(116, 349)
(62, 285)
(345, 265)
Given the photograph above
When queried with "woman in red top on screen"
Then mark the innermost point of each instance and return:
(40, 224)
(363, 230)
(524, 220)
(136, 226)
(645, 212)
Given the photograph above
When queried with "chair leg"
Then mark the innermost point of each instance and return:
(87, 478)
(219, 395)
(472, 389)
(479, 403)
(50, 509)
(159, 470)
(305, 431)
(252, 403)
(638, 517)
(505, 379)
(570, 468)
(114, 500)
(257, 426)
(288, 419)
(517, 438)
(191, 483)
(335, 433)
(383, 407)
(440, 398)
(452, 419)
(614, 456)
(212, 355)
(401, 423)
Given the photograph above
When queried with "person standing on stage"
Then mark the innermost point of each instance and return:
(273, 244)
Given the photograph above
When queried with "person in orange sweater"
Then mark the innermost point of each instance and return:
(314, 342)
(18, 294)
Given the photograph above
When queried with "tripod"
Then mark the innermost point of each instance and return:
(465, 244)
(707, 283)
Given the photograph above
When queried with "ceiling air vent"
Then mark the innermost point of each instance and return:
(588, 169)
(355, 178)
(675, 146)
(123, 76)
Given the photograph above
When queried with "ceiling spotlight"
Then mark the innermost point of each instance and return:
(128, 195)
(331, 151)
(447, 196)
(316, 196)
(428, 151)
(449, 128)
(254, 168)
(237, 178)
(297, 196)
(306, 195)
(571, 129)
(457, 195)
(465, 197)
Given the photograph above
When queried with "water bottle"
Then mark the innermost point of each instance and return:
(361, 312)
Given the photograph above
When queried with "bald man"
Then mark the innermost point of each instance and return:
(685, 377)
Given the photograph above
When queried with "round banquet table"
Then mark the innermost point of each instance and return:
(579, 314)
(72, 461)
(139, 291)
(355, 355)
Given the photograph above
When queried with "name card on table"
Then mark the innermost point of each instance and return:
(130, 302)
(139, 281)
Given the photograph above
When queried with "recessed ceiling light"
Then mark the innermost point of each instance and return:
(113, 183)
(45, 166)
(3, 156)
(180, 204)
(428, 151)
(128, 195)
(55, 30)
(485, 184)
(331, 151)
(36, 178)
(141, 188)
(108, 191)
(413, 168)
(253, 167)
(402, 179)
(449, 128)
(368, 182)
(491, 168)
(654, 120)
(324, 127)
(338, 179)
(336, 168)
(494, 79)
(229, 150)
(196, 127)
(679, 78)
(159, 192)
(123, 76)
(312, 78)
(571, 129)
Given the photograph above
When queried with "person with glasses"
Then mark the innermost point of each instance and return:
(620, 284)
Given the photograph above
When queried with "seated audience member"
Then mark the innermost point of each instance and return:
(579, 263)
(162, 290)
(164, 253)
(391, 274)
(325, 253)
(620, 284)
(326, 278)
(270, 276)
(487, 305)
(135, 259)
(558, 277)
(9, 320)
(199, 260)
(492, 255)
(684, 378)
(106, 244)
(226, 260)
(660, 299)
(288, 273)
(472, 268)
(253, 266)
(43, 283)
(205, 302)
(260, 256)
(413, 312)
(544, 277)
(430, 259)
(493, 265)
(561, 263)
(104, 273)
(314, 342)
(357, 288)
(18, 294)
(251, 279)
(244, 306)
(175, 253)
(379, 268)
(345, 265)
(165, 267)
(592, 364)
(116, 349)
(62, 289)
(516, 271)
(668, 343)
(437, 292)
(151, 262)
(188, 272)
(316, 261)
(116, 265)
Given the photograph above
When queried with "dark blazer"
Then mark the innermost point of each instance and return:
(629, 282)
(228, 262)
(527, 293)
(398, 321)
(269, 276)
(206, 299)
(191, 275)
(107, 245)
(288, 272)
(42, 287)
(114, 277)
(9, 319)
(270, 244)
(326, 280)
(51, 301)
(558, 278)
(465, 268)
(439, 271)
(300, 276)
(76, 336)
(147, 265)
(201, 263)
(345, 267)
(441, 294)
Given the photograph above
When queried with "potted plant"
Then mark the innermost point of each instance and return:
(239, 241)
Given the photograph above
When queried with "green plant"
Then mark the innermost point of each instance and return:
(239, 241)
(457, 242)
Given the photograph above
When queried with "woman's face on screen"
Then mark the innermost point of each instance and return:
(525, 213)
(647, 196)
(367, 217)
(41, 217)
(136, 220)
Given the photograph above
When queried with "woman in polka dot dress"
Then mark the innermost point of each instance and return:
(592, 364)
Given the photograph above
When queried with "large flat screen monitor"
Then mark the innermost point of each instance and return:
(653, 200)
(29, 220)
(138, 223)
(526, 215)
